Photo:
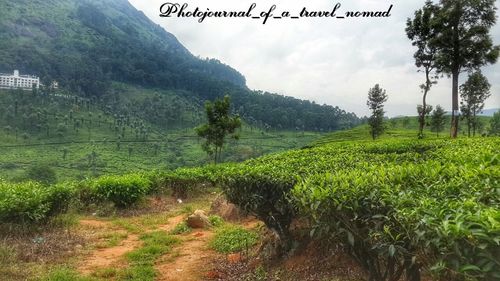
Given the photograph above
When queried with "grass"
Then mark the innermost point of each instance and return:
(181, 228)
(153, 220)
(230, 239)
(142, 260)
(128, 225)
(111, 239)
(65, 274)
(106, 273)
(216, 221)
(396, 128)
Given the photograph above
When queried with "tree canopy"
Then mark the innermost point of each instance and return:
(463, 41)
(376, 99)
(220, 125)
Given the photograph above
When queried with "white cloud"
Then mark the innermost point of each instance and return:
(326, 60)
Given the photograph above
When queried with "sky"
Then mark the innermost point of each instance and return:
(326, 60)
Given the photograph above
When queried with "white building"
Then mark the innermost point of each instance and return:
(14, 81)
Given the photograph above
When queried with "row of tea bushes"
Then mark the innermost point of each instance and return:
(32, 202)
(398, 218)
(29, 202)
(398, 206)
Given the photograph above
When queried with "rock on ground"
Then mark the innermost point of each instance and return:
(224, 209)
(198, 220)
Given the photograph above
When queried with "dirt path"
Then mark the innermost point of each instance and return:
(114, 256)
(192, 259)
(188, 261)
(106, 257)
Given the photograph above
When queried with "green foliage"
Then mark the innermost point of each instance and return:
(155, 244)
(220, 125)
(139, 273)
(232, 239)
(376, 98)
(419, 30)
(438, 120)
(495, 124)
(65, 274)
(387, 202)
(29, 202)
(123, 190)
(463, 41)
(42, 173)
(474, 92)
(388, 214)
(154, 123)
(216, 221)
(184, 180)
(181, 228)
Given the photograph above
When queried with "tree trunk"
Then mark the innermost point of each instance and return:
(454, 112)
(474, 123)
(468, 126)
(424, 104)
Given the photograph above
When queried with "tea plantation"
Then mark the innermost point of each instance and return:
(400, 208)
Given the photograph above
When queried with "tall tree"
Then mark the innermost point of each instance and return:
(463, 41)
(437, 120)
(220, 125)
(473, 93)
(376, 98)
(421, 32)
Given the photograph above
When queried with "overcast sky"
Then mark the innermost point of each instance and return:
(327, 60)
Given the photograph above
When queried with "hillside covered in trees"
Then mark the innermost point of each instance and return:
(88, 45)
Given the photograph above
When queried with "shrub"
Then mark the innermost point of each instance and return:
(398, 218)
(123, 190)
(42, 173)
(216, 221)
(32, 202)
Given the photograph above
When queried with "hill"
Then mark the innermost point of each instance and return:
(88, 45)
(402, 127)
(78, 138)
(489, 112)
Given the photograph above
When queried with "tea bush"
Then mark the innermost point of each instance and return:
(29, 202)
(123, 190)
(397, 206)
